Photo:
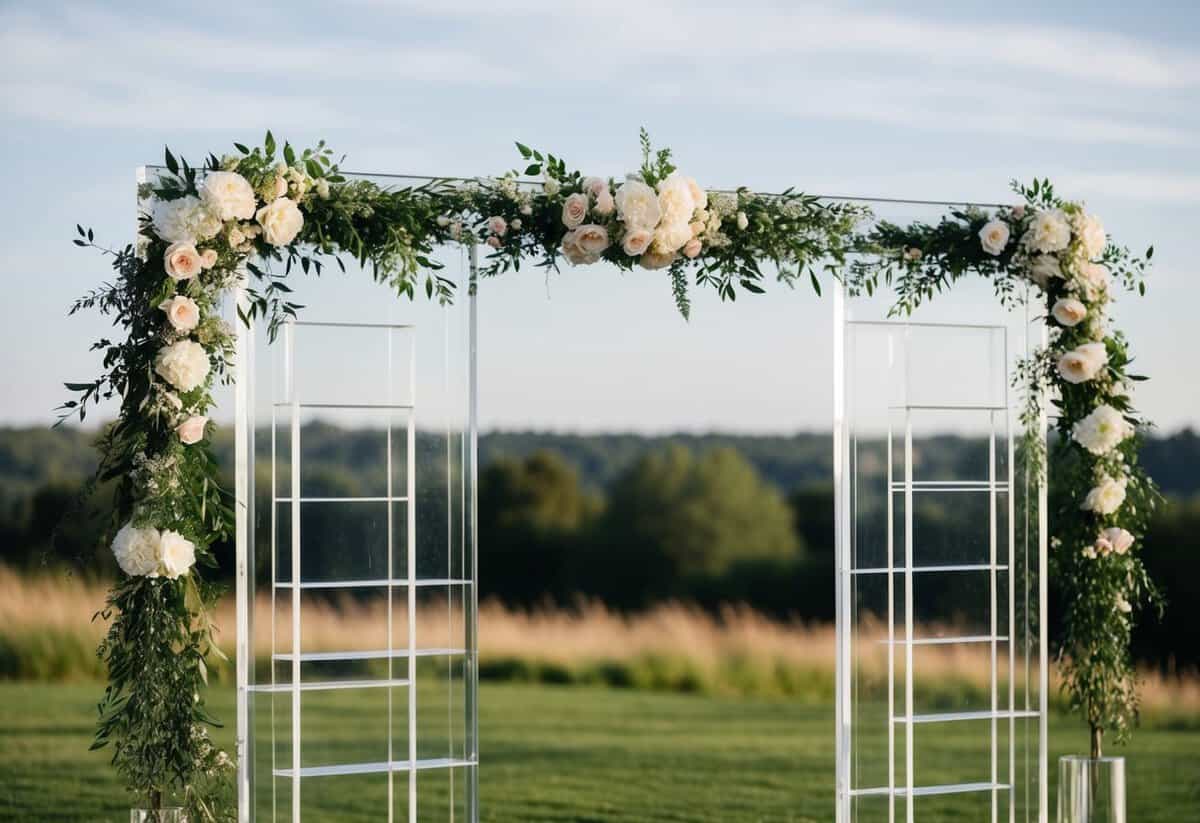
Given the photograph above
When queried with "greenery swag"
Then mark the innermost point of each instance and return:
(254, 217)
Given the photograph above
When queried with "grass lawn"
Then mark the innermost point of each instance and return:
(565, 754)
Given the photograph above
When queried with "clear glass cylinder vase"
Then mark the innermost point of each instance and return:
(1091, 790)
(171, 814)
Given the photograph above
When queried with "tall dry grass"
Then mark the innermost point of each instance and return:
(47, 632)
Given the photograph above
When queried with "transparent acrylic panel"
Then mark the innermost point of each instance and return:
(362, 555)
(940, 551)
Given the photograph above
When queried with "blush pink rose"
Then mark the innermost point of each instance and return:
(182, 261)
(192, 430)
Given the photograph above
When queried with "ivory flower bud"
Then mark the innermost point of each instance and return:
(281, 221)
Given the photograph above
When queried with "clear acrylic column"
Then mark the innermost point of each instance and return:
(357, 687)
(941, 659)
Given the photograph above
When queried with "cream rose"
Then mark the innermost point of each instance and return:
(208, 258)
(691, 249)
(592, 239)
(1106, 497)
(1049, 231)
(137, 550)
(636, 241)
(228, 195)
(675, 201)
(183, 364)
(574, 252)
(1090, 232)
(281, 221)
(192, 430)
(994, 237)
(182, 313)
(1083, 362)
(1068, 311)
(177, 554)
(1115, 540)
(637, 205)
(1102, 430)
(182, 261)
(574, 210)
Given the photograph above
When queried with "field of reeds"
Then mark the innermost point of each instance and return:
(47, 632)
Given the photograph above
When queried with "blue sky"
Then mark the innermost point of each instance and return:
(903, 99)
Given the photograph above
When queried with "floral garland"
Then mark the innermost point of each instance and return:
(253, 217)
(1101, 497)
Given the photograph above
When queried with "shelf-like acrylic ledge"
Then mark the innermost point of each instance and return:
(953, 567)
(927, 791)
(376, 768)
(928, 486)
(327, 685)
(950, 717)
(375, 583)
(342, 499)
(373, 654)
(937, 641)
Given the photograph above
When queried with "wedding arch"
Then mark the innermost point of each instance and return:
(244, 223)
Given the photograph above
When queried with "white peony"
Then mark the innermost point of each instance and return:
(183, 220)
(637, 205)
(675, 199)
(1106, 497)
(1044, 268)
(1083, 363)
(182, 261)
(994, 237)
(699, 195)
(228, 195)
(183, 364)
(636, 241)
(1114, 540)
(1090, 232)
(671, 237)
(1068, 311)
(591, 238)
(182, 313)
(1049, 231)
(177, 554)
(281, 221)
(137, 550)
(574, 210)
(192, 430)
(1102, 430)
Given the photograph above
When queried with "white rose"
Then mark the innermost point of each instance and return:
(671, 237)
(182, 261)
(136, 550)
(636, 241)
(994, 237)
(574, 210)
(183, 220)
(675, 201)
(691, 249)
(322, 186)
(228, 195)
(637, 205)
(516, 224)
(1102, 430)
(1106, 497)
(592, 239)
(1090, 232)
(1049, 231)
(192, 430)
(1117, 540)
(1044, 268)
(595, 186)
(1083, 362)
(281, 221)
(604, 204)
(742, 220)
(183, 364)
(1068, 311)
(182, 313)
(497, 225)
(177, 554)
(654, 260)
(576, 253)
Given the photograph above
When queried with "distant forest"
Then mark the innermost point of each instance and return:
(630, 519)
